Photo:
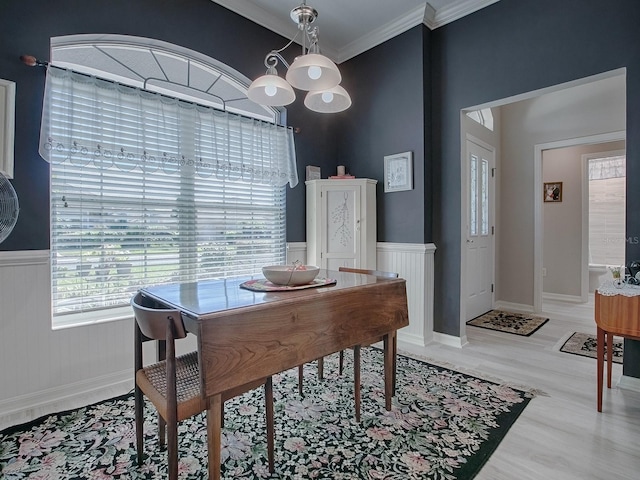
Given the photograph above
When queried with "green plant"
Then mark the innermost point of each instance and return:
(615, 271)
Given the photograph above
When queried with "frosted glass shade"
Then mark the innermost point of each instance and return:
(271, 90)
(333, 100)
(313, 71)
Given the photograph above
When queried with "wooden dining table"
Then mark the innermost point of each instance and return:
(245, 335)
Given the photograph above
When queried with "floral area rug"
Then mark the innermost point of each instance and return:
(444, 425)
(586, 345)
(510, 322)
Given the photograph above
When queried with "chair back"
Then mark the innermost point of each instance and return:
(377, 273)
(153, 322)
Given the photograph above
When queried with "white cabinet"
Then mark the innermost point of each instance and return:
(341, 223)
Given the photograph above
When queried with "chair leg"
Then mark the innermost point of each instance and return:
(162, 428)
(172, 449)
(341, 364)
(139, 413)
(356, 380)
(300, 379)
(321, 368)
(268, 397)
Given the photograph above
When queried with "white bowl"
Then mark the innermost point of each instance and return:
(286, 275)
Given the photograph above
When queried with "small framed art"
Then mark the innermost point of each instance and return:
(552, 192)
(398, 172)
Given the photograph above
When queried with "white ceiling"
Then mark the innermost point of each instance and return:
(348, 28)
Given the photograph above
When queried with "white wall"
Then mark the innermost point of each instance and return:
(591, 109)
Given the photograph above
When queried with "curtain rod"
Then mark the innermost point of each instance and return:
(32, 61)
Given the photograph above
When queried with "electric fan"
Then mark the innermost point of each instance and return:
(8, 207)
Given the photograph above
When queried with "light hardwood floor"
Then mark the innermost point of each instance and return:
(560, 434)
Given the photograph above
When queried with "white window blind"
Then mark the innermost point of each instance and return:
(147, 190)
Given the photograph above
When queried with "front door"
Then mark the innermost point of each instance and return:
(478, 279)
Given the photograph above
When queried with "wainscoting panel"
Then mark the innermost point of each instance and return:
(414, 263)
(44, 370)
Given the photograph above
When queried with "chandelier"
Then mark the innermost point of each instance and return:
(311, 71)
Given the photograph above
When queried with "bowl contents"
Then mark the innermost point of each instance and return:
(290, 275)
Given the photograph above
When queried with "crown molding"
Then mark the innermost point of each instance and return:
(424, 14)
(384, 33)
(456, 11)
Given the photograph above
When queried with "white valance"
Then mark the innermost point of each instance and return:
(97, 123)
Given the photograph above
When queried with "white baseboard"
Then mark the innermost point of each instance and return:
(450, 340)
(559, 297)
(411, 339)
(509, 306)
(629, 383)
(26, 408)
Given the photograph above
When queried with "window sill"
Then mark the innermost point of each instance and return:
(91, 318)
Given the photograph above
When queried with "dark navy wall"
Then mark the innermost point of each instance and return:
(387, 85)
(26, 27)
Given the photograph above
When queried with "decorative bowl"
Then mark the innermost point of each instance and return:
(290, 275)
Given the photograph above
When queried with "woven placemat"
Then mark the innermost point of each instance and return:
(264, 285)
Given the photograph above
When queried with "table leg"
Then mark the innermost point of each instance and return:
(609, 345)
(600, 361)
(268, 395)
(389, 340)
(356, 380)
(395, 363)
(214, 427)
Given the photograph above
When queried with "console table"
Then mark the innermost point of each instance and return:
(617, 312)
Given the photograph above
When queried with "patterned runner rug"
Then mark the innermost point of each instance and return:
(444, 424)
(585, 345)
(518, 323)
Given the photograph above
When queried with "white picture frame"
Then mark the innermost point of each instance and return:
(7, 126)
(398, 172)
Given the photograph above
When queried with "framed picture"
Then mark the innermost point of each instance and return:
(398, 172)
(7, 120)
(313, 173)
(552, 192)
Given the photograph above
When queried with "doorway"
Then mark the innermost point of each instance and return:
(525, 125)
(561, 249)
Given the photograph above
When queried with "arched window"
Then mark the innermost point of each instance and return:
(161, 171)
(484, 117)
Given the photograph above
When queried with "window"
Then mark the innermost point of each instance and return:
(607, 205)
(147, 189)
(484, 117)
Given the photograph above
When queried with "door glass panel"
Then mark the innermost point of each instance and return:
(473, 196)
(484, 200)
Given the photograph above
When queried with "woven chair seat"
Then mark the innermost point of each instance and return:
(153, 382)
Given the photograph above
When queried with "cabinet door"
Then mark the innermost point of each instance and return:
(341, 214)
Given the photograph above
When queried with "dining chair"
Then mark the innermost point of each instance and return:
(356, 349)
(172, 384)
